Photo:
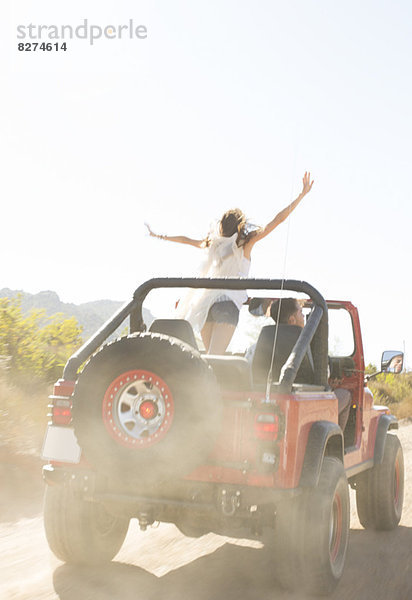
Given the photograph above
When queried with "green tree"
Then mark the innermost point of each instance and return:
(33, 347)
(370, 369)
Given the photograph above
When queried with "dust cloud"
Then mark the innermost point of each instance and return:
(163, 563)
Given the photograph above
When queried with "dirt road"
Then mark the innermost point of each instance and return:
(162, 564)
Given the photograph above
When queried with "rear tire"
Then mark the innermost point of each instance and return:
(312, 533)
(78, 531)
(379, 491)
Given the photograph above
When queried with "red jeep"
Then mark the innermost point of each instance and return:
(154, 429)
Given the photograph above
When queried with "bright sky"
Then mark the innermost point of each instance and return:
(226, 103)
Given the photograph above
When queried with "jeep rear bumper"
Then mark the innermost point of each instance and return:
(171, 501)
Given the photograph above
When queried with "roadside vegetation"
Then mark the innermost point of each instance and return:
(33, 351)
(394, 391)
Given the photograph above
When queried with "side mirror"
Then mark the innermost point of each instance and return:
(392, 361)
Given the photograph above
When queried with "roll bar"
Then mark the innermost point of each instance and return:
(316, 327)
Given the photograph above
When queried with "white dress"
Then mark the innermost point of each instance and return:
(224, 259)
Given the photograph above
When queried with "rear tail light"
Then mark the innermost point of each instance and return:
(60, 407)
(267, 426)
(61, 411)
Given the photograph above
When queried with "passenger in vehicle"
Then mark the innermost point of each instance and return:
(288, 312)
(289, 316)
(215, 313)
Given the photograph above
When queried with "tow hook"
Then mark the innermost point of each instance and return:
(229, 502)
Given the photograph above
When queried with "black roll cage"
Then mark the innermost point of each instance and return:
(315, 331)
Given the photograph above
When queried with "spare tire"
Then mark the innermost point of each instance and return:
(146, 407)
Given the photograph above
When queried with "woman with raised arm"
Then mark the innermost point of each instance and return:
(215, 313)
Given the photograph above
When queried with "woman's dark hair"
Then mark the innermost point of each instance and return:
(288, 307)
(234, 220)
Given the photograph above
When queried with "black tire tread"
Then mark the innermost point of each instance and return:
(69, 525)
(374, 490)
(299, 535)
(319, 575)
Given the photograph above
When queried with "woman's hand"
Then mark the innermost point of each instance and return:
(150, 231)
(307, 184)
(280, 217)
(181, 239)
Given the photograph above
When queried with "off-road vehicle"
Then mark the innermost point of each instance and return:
(149, 427)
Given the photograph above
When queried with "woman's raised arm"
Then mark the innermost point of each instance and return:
(181, 239)
(281, 216)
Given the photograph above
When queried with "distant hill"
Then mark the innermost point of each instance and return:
(90, 315)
